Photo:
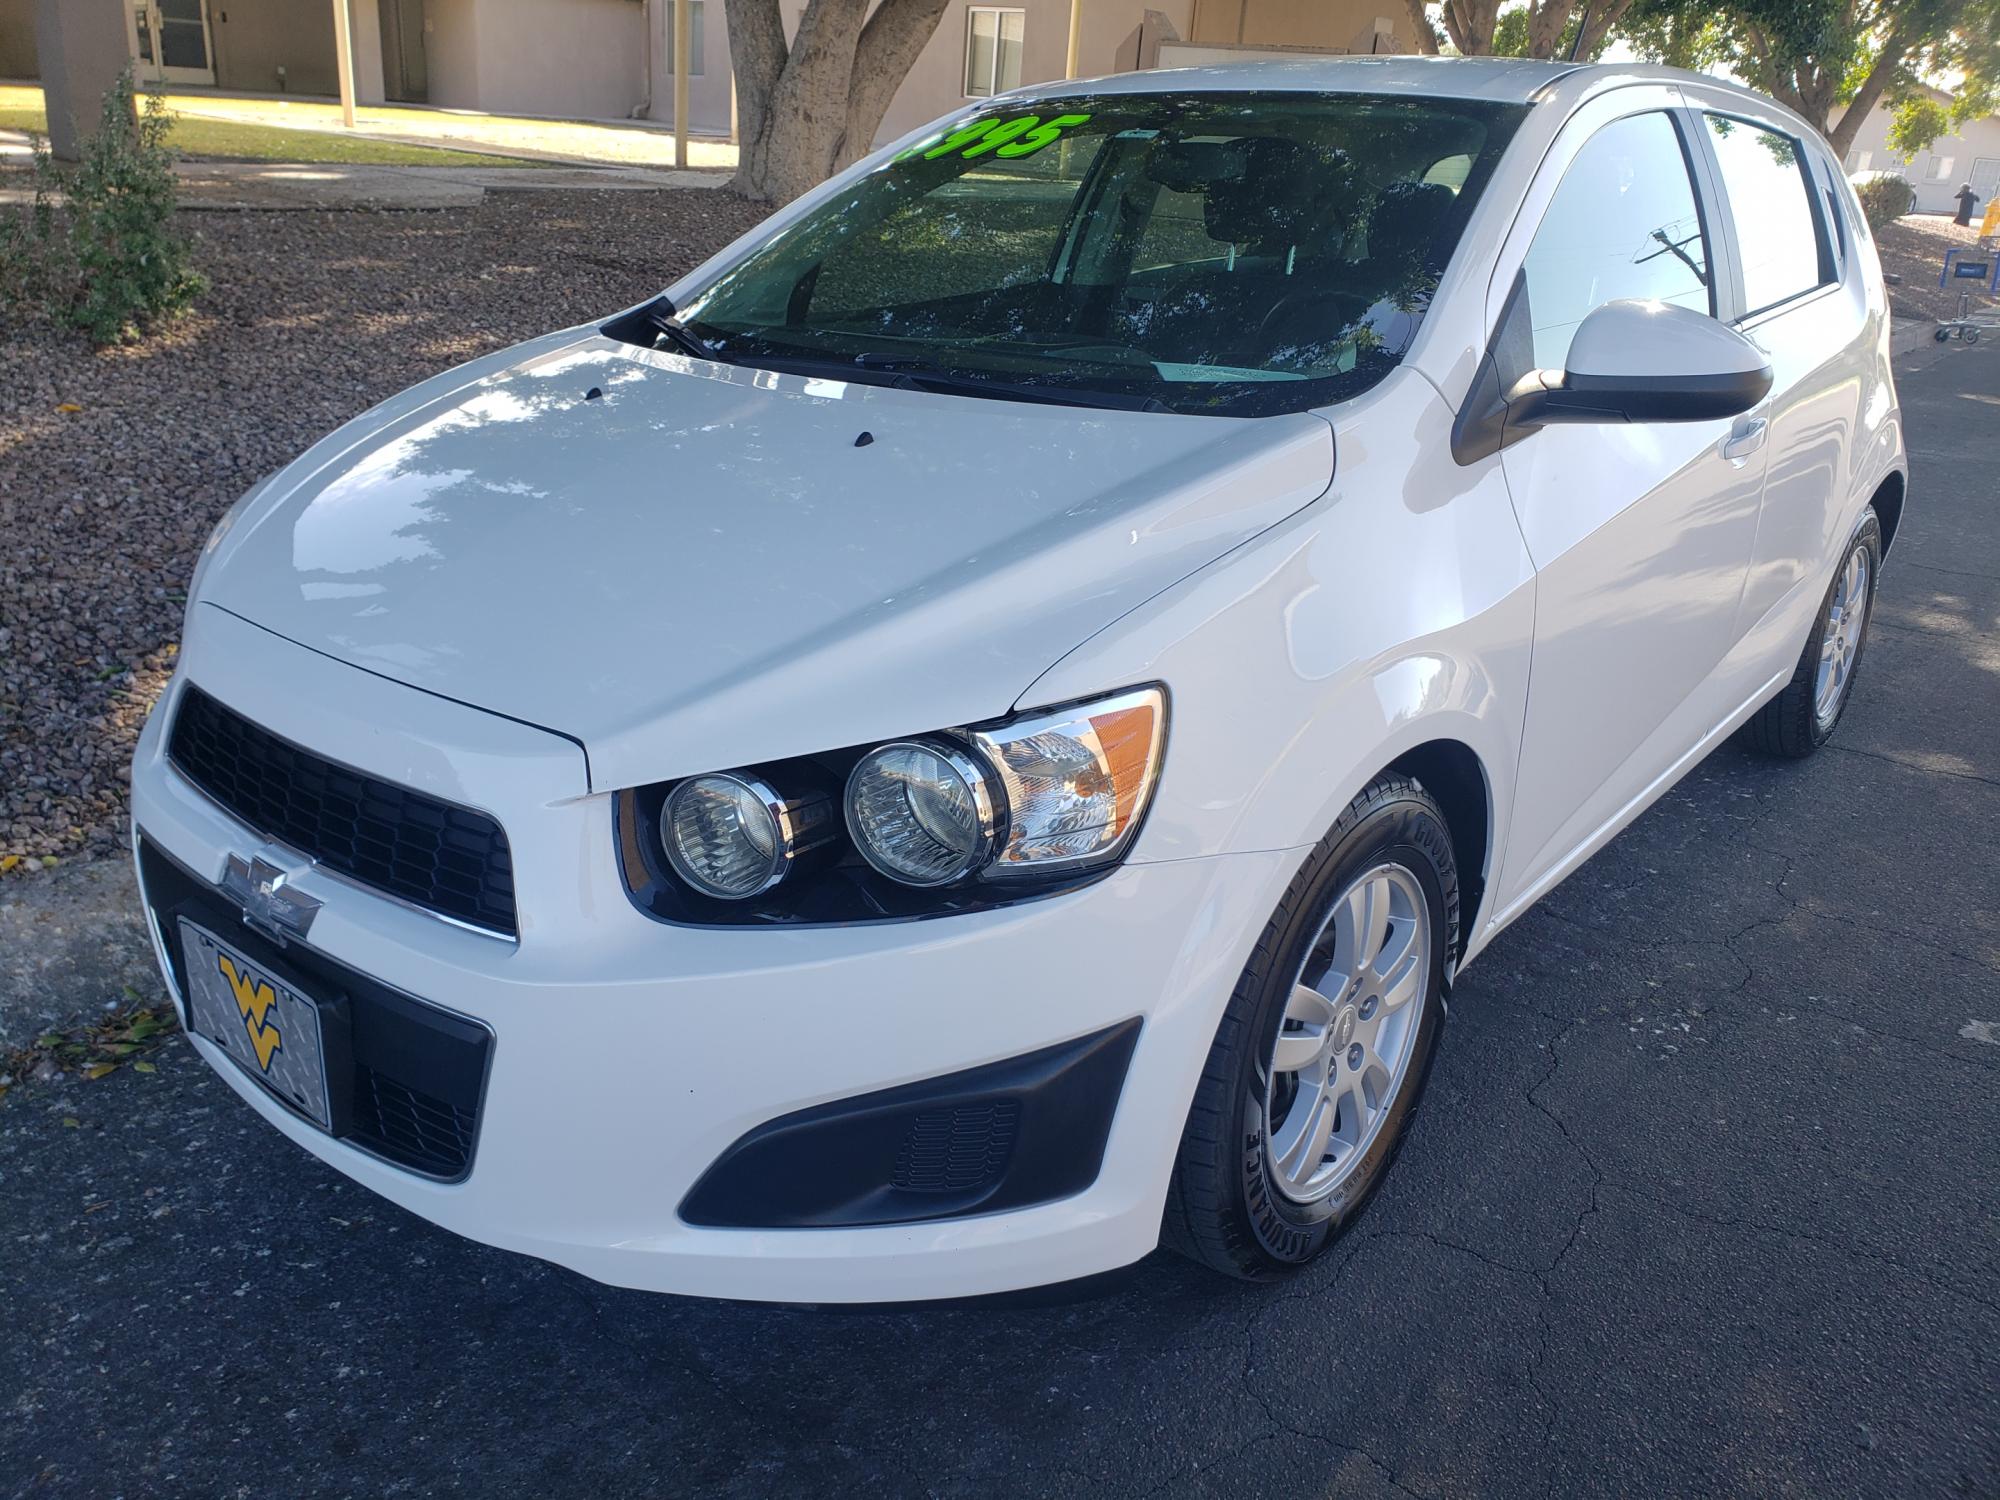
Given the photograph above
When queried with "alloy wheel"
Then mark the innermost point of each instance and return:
(1840, 640)
(1338, 1062)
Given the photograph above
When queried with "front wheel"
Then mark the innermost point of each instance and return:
(1801, 718)
(1324, 1047)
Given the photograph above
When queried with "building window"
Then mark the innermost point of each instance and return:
(1940, 168)
(697, 42)
(993, 50)
(1858, 161)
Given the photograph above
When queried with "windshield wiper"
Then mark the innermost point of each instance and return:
(661, 315)
(647, 326)
(916, 374)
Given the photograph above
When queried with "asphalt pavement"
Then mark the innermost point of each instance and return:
(1704, 1199)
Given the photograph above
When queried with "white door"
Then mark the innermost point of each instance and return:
(169, 41)
(1798, 309)
(1641, 533)
(1985, 180)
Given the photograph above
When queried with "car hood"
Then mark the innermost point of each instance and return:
(688, 566)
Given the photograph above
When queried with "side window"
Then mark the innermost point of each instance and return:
(1623, 223)
(1770, 198)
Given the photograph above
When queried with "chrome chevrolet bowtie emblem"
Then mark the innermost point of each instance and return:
(269, 904)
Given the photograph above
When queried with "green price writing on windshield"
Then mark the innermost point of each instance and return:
(1023, 135)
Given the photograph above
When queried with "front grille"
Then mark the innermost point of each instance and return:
(951, 1150)
(446, 859)
(411, 1127)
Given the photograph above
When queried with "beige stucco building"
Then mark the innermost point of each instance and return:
(612, 59)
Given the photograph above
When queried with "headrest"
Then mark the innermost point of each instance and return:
(1282, 195)
(1405, 219)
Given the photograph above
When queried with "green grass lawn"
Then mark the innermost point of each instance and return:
(230, 140)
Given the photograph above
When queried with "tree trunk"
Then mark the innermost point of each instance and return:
(1598, 21)
(1546, 20)
(1841, 137)
(1421, 28)
(1470, 24)
(807, 109)
(888, 49)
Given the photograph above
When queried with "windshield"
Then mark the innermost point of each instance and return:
(1237, 254)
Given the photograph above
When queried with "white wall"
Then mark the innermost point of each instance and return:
(708, 90)
(365, 26)
(585, 59)
(451, 53)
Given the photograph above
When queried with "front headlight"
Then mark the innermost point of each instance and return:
(734, 837)
(954, 821)
(921, 814)
(1076, 780)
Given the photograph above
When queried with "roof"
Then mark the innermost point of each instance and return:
(1510, 79)
(1513, 80)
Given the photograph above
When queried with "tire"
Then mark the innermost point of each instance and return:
(1801, 718)
(1233, 1202)
(1971, 335)
(1942, 334)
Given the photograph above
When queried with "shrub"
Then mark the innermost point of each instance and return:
(1885, 197)
(114, 258)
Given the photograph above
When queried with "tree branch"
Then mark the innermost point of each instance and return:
(1455, 25)
(1420, 25)
(888, 48)
(1841, 137)
(1599, 26)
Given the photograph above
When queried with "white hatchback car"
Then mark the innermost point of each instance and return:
(973, 734)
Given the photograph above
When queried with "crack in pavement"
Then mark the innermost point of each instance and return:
(1894, 760)
(1949, 572)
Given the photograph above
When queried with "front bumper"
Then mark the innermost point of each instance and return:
(628, 1057)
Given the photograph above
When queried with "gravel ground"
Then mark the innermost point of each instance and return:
(1913, 247)
(312, 317)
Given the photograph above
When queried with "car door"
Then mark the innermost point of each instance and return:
(1808, 318)
(1641, 533)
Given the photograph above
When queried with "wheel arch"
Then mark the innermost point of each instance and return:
(1452, 772)
(1888, 503)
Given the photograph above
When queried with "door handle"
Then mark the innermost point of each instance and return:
(1746, 440)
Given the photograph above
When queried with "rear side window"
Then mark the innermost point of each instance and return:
(1623, 223)
(1770, 199)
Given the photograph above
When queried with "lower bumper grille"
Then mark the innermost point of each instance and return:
(405, 1080)
(409, 1126)
(954, 1150)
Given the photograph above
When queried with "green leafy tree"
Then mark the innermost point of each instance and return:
(113, 258)
(132, 262)
(1834, 60)
(1539, 28)
(1681, 33)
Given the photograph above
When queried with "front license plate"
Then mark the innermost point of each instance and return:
(269, 1030)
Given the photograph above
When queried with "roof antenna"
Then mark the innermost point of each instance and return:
(1582, 25)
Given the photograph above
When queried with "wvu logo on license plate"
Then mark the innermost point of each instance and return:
(255, 1000)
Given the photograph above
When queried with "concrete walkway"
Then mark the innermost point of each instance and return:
(301, 185)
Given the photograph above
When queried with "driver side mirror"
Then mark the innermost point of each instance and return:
(1635, 361)
(1629, 361)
